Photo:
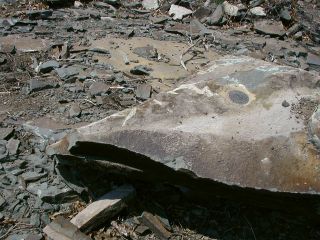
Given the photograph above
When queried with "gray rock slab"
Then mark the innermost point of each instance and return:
(269, 27)
(48, 66)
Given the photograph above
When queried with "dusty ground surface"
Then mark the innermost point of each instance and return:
(107, 57)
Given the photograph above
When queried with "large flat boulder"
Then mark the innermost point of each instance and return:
(241, 122)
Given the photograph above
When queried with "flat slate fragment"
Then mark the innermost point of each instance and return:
(155, 225)
(103, 209)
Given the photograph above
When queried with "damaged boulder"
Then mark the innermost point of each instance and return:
(226, 126)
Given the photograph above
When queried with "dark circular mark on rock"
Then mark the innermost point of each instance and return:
(238, 97)
(285, 104)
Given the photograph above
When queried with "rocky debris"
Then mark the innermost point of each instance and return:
(229, 9)
(68, 73)
(313, 60)
(150, 4)
(216, 16)
(155, 225)
(285, 15)
(271, 28)
(141, 70)
(6, 133)
(3, 150)
(33, 176)
(96, 44)
(36, 85)
(285, 104)
(8, 48)
(13, 146)
(75, 110)
(98, 88)
(52, 193)
(34, 237)
(179, 12)
(61, 228)
(197, 91)
(143, 91)
(103, 209)
(39, 14)
(48, 66)
(258, 11)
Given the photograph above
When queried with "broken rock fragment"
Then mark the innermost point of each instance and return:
(62, 229)
(140, 70)
(39, 14)
(216, 16)
(208, 142)
(229, 9)
(36, 85)
(179, 12)
(75, 110)
(48, 66)
(3, 149)
(155, 225)
(143, 91)
(150, 4)
(103, 209)
(269, 27)
(12, 146)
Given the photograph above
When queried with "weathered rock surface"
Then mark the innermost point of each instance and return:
(207, 139)
(269, 27)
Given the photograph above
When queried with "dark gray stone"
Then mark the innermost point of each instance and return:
(148, 52)
(39, 14)
(32, 176)
(285, 15)
(285, 104)
(269, 27)
(238, 97)
(48, 66)
(313, 59)
(98, 88)
(53, 193)
(112, 2)
(140, 70)
(36, 85)
(67, 72)
(201, 13)
(256, 3)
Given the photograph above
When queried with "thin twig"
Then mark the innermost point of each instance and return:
(254, 235)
